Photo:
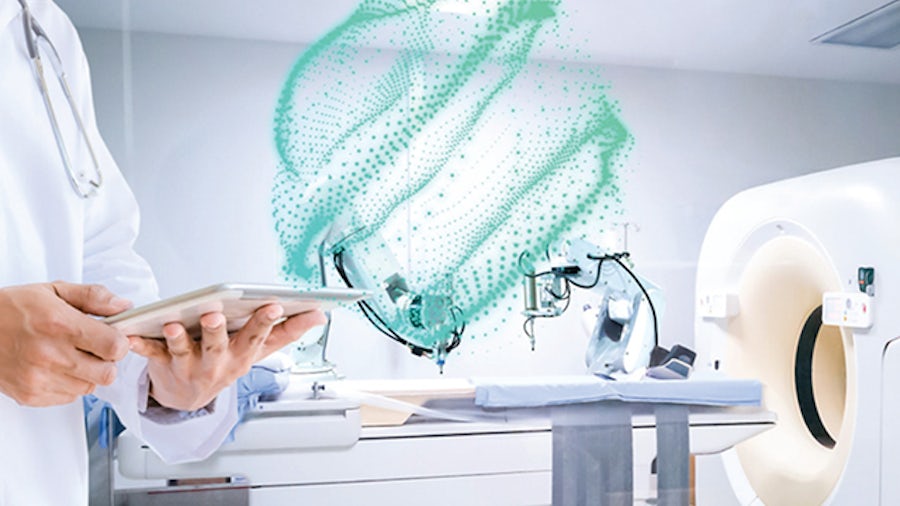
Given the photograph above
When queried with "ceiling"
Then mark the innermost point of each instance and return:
(767, 37)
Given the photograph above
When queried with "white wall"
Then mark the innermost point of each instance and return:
(702, 137)
(201, 162)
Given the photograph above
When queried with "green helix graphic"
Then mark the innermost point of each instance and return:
(439, 140)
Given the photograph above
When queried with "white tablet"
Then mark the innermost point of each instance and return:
(237, 301)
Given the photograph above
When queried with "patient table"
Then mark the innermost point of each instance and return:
(561, 440)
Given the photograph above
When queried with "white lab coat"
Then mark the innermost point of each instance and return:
(49, 233)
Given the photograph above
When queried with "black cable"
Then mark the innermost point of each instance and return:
(372, 315)
(644, 291)
(528, 325)
(563, 296)
(383, 327)
(613, 256)
(379, 323)
(526, 273)
(616, 257)
(596, 278)
(458, 331)
(568, 299)
(600, 260)
(529, 333)
(567, 296)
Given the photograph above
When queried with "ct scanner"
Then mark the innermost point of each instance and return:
(770, 257)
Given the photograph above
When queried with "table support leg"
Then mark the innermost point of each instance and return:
(592, 455)
(672, 454)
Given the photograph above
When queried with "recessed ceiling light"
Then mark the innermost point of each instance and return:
(879, 28)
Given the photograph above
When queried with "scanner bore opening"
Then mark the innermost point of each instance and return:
(803, 379)
(779, 283)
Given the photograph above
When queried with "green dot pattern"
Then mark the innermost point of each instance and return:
(447, 144)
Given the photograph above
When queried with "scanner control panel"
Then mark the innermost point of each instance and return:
(847, 309)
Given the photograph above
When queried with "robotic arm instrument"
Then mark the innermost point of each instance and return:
(623, 323)
(425, 321)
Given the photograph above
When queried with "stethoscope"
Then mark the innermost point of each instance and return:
(83, 184)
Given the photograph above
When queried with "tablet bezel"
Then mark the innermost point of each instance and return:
(237, 301)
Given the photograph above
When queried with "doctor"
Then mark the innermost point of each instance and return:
(67, 214)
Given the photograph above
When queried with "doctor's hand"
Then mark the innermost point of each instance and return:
(187, 375)
(51, 351)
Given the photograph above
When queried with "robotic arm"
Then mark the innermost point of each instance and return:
(623, 323)
(425, 321)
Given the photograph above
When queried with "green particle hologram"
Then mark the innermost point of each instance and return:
(442, 142)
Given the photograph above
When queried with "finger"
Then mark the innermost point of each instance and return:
(214, 333)
(178, 342)
(76, 387)
(56, 388)
(95, 337)
(255, 332)
(292, 329)
(182, 350)
(92, 299)
(153, 349)
(90, 369)
(67, 323)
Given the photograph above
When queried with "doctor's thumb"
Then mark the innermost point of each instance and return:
(91, 299)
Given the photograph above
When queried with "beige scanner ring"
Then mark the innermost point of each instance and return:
(780, 288)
